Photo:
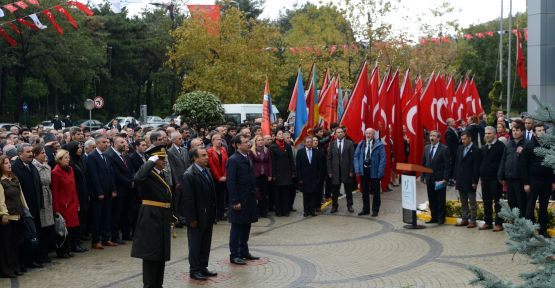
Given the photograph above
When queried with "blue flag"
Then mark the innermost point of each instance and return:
(301, 113)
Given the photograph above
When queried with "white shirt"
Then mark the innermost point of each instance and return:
(340, 143)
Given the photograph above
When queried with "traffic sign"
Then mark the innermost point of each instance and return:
(25, 107)
(98, 102)
(89, 104)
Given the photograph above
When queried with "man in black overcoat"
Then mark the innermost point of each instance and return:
(152, 237)
(309, 172)
(243, 209)
(198, 201)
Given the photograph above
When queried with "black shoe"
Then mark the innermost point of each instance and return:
(375, 214)
(238, 261)
(440, 222)
(363, 213)
(85, 238)
(120, 242)
(305, 214)
(293, 210)
(79, 249)
(431, 221)
(8, 276)
(34, 265)
(208, 273)
(18, 273)
(313, 213)
(350, 209)
(198, 276)
(250, 257)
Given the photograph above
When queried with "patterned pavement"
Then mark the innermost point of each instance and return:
(330, 250)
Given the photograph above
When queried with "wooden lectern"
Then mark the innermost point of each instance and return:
(408, 187)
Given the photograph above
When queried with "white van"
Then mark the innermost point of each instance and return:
(238, 113)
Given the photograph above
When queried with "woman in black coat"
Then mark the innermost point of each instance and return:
(283, 172)
(78, 165)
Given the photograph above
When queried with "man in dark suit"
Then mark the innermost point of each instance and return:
(309, 172)
(178, 158)
(198, 203)
(539, 180)
(436, 157)
(136, 159)
(510, 169)
(100, 179)
(467, 175)
(243, 210)
(29, 179)
(452, 141)
(340, 168)
(152, 239)
(492, 190)
(370, 166)
(123, 178)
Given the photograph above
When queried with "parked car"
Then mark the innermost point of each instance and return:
(123, 121)
(238, 113)
(177, 119)
(47, 124)
(91, 124)
(154, 122)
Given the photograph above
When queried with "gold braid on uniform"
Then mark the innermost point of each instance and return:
(174, 218)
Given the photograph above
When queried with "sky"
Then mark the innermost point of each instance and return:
(467, 12)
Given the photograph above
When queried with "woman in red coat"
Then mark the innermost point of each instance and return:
(65, 202)
(217, 160)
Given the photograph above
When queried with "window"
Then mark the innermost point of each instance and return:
(251, 116)
(235, 118)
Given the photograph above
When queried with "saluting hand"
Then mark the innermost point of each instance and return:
(237, 207)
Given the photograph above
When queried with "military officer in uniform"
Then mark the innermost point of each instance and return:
(152, 235)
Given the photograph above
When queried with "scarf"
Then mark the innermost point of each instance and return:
(280, 144)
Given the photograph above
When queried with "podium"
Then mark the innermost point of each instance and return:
(408, 188)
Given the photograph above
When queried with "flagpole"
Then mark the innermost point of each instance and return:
(501, 49)
(509, 59)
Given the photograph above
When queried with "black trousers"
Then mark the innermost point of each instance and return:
(10, 244)
(492, 191)
(309, 199)
(348, 192)
(120, 217)
(65, 244)
(516, 195)
(153, 273)
(539, 188)
(199, 239)
(263, 187)
(282, 200)
(47, 237)
(437, 201)
(329, 188)
(83, 222)
(293, 192)
(220, 199)
(238, 240)
(370, 186)
(101, 219)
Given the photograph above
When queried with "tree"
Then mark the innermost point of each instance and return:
(251, 8)
(232, 63)
(200, 107)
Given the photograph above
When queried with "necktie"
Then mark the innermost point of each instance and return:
(489, 146)
(205, 174)
(465, 151)
(123, 160)
(309, 154)
(340, 147)
(368, 150)
(432, 152)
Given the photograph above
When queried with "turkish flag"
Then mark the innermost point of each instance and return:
(398, 124)
(10, 40)
(10, 7)
(477, 108)
(441, 104)
(81, 7)
(209, 14)
(450, 95)
(413, 127)
(52, 20)
(21, 4)
(355, 113)
(520, 65)
(373, 88)
(68, 16)
(428, 107)
(379, 115)
(293, 102)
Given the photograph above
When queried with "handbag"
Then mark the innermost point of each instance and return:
(29, 230)
(60, 225)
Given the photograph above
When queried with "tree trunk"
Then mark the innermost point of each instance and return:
(148, 96)
(19, 81)
(3, 87)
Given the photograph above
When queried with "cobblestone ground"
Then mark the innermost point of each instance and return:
(339, 250)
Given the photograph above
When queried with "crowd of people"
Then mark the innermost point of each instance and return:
(61, 188)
